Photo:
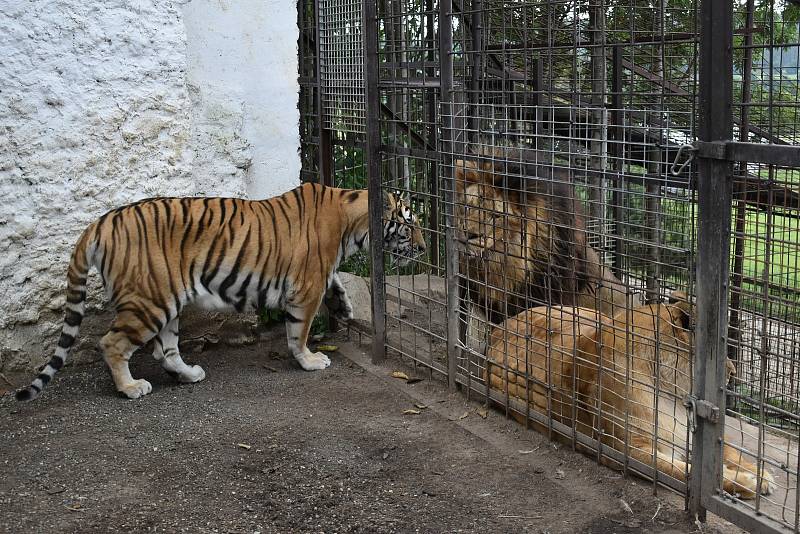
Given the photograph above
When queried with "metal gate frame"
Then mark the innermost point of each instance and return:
(715, 154)
(716, 151)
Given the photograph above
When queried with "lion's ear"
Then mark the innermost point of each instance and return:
(680, 300)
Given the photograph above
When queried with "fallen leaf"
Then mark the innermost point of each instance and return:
(559, 474)
(327, 348)
(464, 415)
(411, 412)
(400, 374)
(529, 451)
(626, 506)
(74, 508)
(270, 368)
(244, 446)
(482, 411)
(413, 380)
(420, 405)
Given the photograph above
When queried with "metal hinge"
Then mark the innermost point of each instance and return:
(700, 408)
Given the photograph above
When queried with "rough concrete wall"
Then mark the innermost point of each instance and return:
(95, 111)
(242, 62)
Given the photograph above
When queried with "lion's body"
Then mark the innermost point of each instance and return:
(526, 244)
(158, 255)
(603, 375)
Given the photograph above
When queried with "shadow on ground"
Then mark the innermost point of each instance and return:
(262, 446)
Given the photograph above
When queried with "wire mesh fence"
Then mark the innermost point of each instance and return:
(556, 152)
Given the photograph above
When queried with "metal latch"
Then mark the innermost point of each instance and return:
(677, 166)
(700, 408)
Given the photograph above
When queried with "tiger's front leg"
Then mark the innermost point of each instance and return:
(298, 323)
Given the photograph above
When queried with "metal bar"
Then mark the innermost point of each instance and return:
(785, 155)
(741, 212)
(392, 116)
(324, 149)
(325, 154)
(476, 29)
(713, 248)
(451, 252)
(741, 516)
(617, 155)
(373, 163)
(432, 170)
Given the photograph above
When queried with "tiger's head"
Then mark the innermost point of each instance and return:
(401, 232)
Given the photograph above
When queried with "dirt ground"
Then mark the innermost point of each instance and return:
(262, 446)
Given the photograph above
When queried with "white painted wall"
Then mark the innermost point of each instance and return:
(102, 103)
(242, 61)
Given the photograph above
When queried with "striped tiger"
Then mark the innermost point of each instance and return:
(158, 255)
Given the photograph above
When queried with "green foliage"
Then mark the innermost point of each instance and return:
(357, 264)
(269, 317)
(319, 326)
(272, 317)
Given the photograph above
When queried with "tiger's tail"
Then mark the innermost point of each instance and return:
(82, 259)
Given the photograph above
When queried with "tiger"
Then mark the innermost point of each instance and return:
(158, 255)
(620, 379)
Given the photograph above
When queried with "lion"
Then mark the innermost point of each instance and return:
(525, 243)
(583, 357)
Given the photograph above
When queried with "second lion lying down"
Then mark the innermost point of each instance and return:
(607, 374)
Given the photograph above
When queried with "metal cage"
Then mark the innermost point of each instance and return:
(610, 195)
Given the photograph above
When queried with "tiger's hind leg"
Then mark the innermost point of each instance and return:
(298, 323)
(128, 332)
(165, 350)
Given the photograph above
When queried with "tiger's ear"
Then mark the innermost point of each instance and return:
(680, 300)
(403, 197)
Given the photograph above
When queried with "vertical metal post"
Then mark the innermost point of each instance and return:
(373, 161)
(433, 170)
(741, 186)
(324, 153)
(617, 154)
(713, 248)
(476, 76)
(446, 151)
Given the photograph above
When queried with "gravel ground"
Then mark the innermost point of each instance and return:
(262, 446)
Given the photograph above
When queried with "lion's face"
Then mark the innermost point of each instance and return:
(485, 220)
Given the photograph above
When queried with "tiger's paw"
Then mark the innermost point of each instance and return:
(193, 373)
(136, 389)
(313, 361)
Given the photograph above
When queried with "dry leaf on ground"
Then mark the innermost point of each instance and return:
(400, 374)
